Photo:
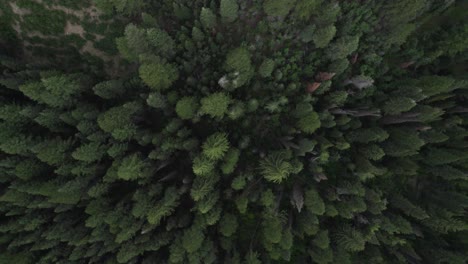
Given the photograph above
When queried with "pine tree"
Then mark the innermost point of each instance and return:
(118, 121)
(403, 142)
(350, 239)
(275, 167)
(203, 166)
(90, 152)
(216, 146)
(323, 36)
(109, 89)
(238, 62)
(164, 207)
(366, 135)
(134, 43)
(342, 47)
(228, 225)
(202, 186)
(215, 105)
(228, 10)
(306, 8)
(55, 91)
(187, 108)
(207, 18)
(313, 202)
(161, 41)
(309, 123)
(158, 76)
(54, 151)
(397, 105)
(133, 167)
(230, 161)
(266, 68)
(192, 239)
(278, 8)
(321, 240)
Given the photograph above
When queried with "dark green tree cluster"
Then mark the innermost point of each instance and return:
(274, 131)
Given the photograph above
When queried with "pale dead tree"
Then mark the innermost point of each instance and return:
(360, 81)
(403, 118)
(460, 110)
(297, 197)
(356, 112)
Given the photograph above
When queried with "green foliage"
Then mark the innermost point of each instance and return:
(396, 105)
(121, 6)
(238, 183)
(350, 239)
(228, 225)
(216, 146)
(272, 227)
(408, 208)
(307, 33)
(55, 91)
(118, 122)
(161, 41)
(266, 68)
(109, 89)
(275, 167)
(192, 239)
(278, 8)
(239, 62)
(158, 76)
(202, 166)
(165, 207)
(19, 145)
(207, 18)
(133, 167)
(309, 123)
(197, 34)
(366, 135)
(54, 151)
(323, 36)
(29, 168)
(89, 152)
(306, 8)
(321, 240)
(372, 152)
(187, 107)
(276, 131)
(215, 105)
(202, 186)
(229, 10)
(313, 202)
(230, 161)
(206, 204)
(342, 47)
(403, 142)
(47, 22)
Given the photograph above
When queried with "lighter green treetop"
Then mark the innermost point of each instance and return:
(215, 146)
(207, 18)
(228, 10)
(158, 75)
(278, 7)
(215, 105)
(187, 107)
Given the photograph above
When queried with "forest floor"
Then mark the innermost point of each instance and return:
(75, 18)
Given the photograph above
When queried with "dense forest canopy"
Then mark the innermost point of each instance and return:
(229, 131)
